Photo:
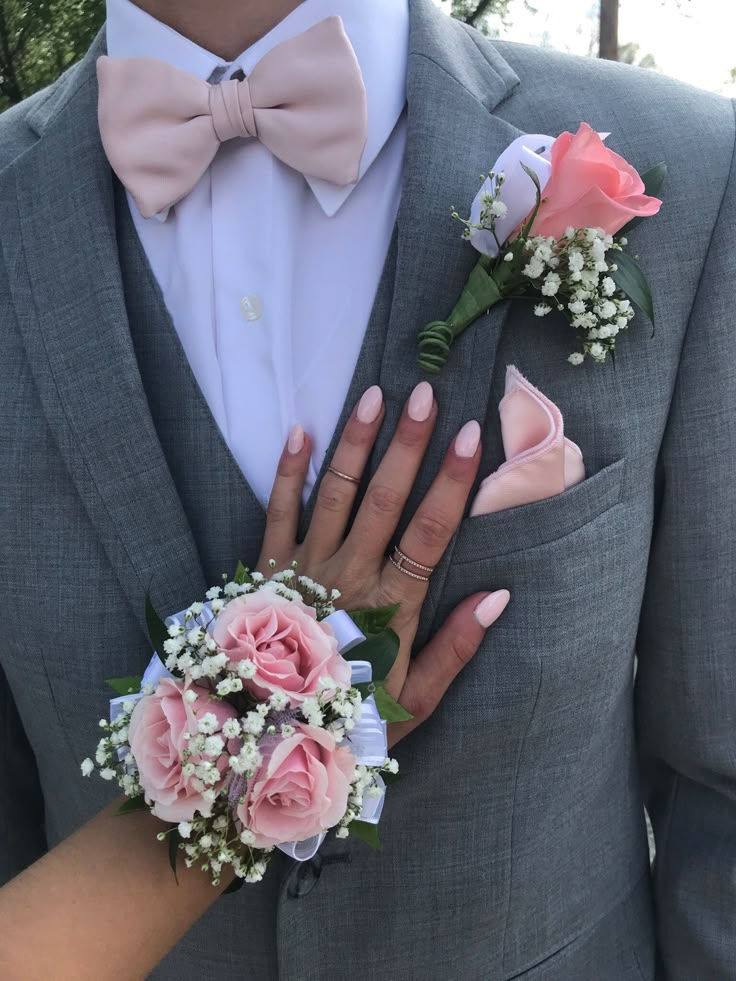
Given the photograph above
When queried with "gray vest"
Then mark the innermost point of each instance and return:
(234, 529)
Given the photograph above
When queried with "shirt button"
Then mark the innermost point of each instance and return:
(251, 307)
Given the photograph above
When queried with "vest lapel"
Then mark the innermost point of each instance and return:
(59, 242)
(231, 530)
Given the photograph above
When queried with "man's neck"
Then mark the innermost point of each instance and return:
(224, 27)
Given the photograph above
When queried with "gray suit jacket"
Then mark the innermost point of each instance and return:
(516, 847)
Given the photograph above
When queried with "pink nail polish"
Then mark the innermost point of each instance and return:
(491, 608)
(370, 404)
(467, 440)
(421, 402)
(296, 440)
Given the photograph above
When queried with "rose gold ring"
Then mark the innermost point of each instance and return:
(344, 476)
(399, 560)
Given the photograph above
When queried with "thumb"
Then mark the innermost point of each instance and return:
(435, 667)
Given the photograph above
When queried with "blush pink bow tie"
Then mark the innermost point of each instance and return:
(305, 101)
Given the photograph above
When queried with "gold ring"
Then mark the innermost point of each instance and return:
(397, 559)
(417, 565)
(344, 476)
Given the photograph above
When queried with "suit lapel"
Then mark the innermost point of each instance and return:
(70, 306)
(456, 79)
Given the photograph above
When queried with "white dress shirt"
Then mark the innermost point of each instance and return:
(269, 276)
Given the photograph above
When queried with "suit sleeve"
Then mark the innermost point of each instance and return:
(686, 682)
(22, 836)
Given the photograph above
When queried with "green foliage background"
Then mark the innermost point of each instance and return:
(39, 39)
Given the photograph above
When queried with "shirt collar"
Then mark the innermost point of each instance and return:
(378, 31)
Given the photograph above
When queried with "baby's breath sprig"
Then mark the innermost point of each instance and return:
(574, 276)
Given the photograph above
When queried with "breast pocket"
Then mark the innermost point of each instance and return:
(575, 566)
(506, 532)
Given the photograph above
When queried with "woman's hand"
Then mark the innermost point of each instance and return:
(356, 562)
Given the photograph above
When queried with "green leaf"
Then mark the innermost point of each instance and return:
(380, 651)
(374, 621)
(526, 230)
(390, 778)
(389, 709)
(157, 632)
(133, 804)
(654, 180)
(479, 294)
(630, 278)
(535, 179)
(126, 686)
(367, 833)
(174, 841)
(241, 574)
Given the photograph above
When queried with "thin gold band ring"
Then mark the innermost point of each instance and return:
(344, 476)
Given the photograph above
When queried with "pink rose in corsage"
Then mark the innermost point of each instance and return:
(550, 222)
(290, 650)
(172, 733)
(265, 726)
(301, 790)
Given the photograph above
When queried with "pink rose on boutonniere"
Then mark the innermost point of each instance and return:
(301, 789)
(288, 648)
(590, 186)
(164, 730)
(545, 222)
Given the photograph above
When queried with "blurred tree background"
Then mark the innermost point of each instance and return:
(39, 39)
(476, 12)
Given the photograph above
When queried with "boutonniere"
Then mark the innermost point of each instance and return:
(550, 223)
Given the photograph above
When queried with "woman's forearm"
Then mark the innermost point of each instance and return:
(103, 905)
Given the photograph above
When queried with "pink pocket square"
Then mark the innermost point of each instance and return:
(540, 461)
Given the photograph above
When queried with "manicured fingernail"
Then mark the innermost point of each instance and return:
(491, 608)
(296, 440)
(421, 402)
(369, 406)
(467, 440)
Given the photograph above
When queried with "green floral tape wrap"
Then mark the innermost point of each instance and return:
(436, 339)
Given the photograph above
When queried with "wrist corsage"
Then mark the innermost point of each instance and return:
(263, 727)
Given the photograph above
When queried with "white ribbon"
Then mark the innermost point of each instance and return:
(368, 740)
